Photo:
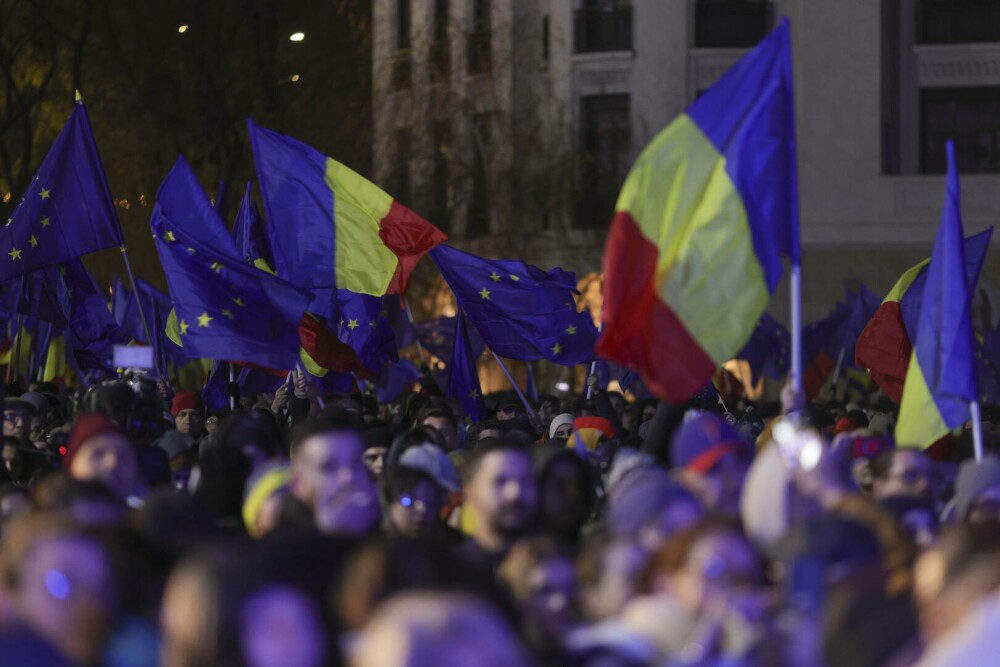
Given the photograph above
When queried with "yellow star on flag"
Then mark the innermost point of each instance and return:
(45, 194)
(239, 302)
(372, 324)
(45, 222)
(485, 293)
(474, 394)
(217, 267)
(169, 237)
(15, 254)
(352, 325)
(228, 313)
(203, 320)
(192, 251)
(9, 220)
(571, 330)
(556, 349)
(33, 240)
(514, 278)
(495, 277)
(184, 327)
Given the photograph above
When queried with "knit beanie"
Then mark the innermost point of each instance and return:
(703, 440)
(263, 484)
(186, 400)
(87, 426)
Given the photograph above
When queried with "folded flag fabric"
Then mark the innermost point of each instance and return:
(941, 379)
(67, 211)
(463, 376)
(248, 232)
(225, 309)
(768, 352)
(521, 311)
(700, 227)
(395, 379)
(885, 345)
(331, 228)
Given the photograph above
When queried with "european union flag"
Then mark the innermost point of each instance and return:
(768, 352)
(463, 377)
(225, 309)
(248, 232)
(67, 211)
(364, 325)
(607, 371)
(393, 381)
(520, 311)
(437, 335)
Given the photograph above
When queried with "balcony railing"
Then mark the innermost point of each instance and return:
(958, 21)
(598, 30)
(400, 69)
(721, 24)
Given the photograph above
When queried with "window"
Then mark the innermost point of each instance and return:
(603, 25)
(440, 46)
(480, 54)
(442, 175)
(402, 24)
(479, 208)
(958, 21)
(400, 185)
(731, 23)
(968, 116)
(605, 140)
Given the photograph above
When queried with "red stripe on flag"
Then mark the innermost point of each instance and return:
(641, 331)
(884, 349)
(326, 349)
(409, 237)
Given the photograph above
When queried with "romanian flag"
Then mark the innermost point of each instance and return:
(701, 225)
(941, 379)
(885, 345)
(330, 228)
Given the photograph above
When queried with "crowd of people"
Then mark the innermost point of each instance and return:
(298, 530)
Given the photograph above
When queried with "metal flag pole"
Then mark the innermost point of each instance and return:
(517, 390)
(142, 312)
(977, 429)
(593, 364)
(409, 317)
(796, 326)
(232, 381)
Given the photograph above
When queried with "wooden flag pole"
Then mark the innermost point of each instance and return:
(517, 390)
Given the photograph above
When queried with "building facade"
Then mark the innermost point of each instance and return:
(512, 123)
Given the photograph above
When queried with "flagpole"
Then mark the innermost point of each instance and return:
(232, 381)
(593, 364)
(16, 360)
(796, 324)
(517, 390)
(409, 317)
(977, 429)
(142, 312)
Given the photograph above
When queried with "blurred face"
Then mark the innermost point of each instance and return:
(507, 413)
(720, 489)
(616, 585)
(211, 424)
(553, 595)
(502, 493)
(417, 510)
(648, 412)
(280, 629)
(110, 459)
(65, 594)
(986, 508)
(374, 458)
(446, 428)
(190, 422)
(911, 475)
(329, 475)
(564, 431)
(563, 498)
(718, 567)
(489, 433)
(675, 517)
(16, 422)
(184, 619)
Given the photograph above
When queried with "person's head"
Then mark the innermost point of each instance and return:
(489, 429)
(541, 575)
(189, 414)
(712, 460)
(100, 451)
(17, 414)
(904, 472)
(329, 476)
(444, 422)
(593, 437)
(413, 501)
(609, 570)
(951, 579)
(617, 402)
(704, 564)
(59, 581)
(212, 423)
(566, 493)
(977, 491)
(281, 627)
(509, 408)
(500, 490)
(427, 629)
(266, 492)
(377, 441)
(561, 426)
(649, 507)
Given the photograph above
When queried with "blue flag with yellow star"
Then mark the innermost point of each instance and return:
(520, 311)
(248, 232)
(366, 326)
(67, 210)
(225, 309)
(463, 377)
(768, 352)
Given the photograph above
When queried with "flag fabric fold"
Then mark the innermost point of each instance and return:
(521, 311)
(701, 225)
(941, 379)
(768, 352)
(225, 309)
(463, 377)
(67, 210)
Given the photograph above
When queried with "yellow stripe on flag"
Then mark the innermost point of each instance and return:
(707, 271)
(364, 264)
(55, 361)
(905, 280)
(920, 424)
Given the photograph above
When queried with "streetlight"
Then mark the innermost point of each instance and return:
(182, 29)
(296, 37)
(293, 78)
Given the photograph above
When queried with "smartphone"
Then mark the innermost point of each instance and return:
(133, 356)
